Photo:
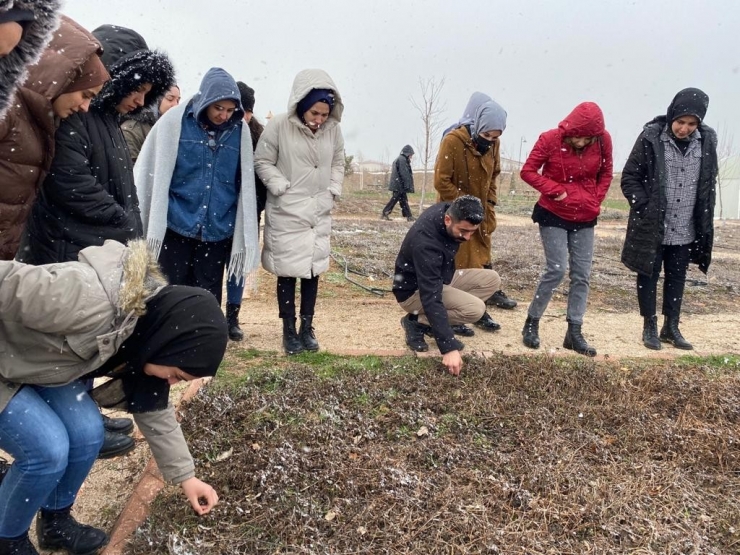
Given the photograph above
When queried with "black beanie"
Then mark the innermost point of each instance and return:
(688, 102)
(247, 94)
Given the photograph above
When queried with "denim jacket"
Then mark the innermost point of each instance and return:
(205, 185)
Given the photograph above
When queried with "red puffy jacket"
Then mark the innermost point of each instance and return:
(584, 175)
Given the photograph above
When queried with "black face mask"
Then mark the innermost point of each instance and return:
(482, 145)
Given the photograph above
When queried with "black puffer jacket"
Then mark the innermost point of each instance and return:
(402, 176)
(643, 184)
(88, 195)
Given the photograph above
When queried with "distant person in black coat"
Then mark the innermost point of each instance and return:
(427, 286)
(669, 180)
(402, 183)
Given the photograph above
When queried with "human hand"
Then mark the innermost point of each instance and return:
(11, 34)
(202, 497)
(561, 196)
(453, 362)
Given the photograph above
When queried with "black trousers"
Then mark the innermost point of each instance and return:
(186, 261)
(674, 259)
(402, 199)
(286, 296)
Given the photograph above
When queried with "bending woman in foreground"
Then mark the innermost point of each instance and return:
(110, 314)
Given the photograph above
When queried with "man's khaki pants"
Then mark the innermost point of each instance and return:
(464, 298)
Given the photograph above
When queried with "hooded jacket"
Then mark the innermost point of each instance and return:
(205, 185)
(171, 174)
(36, 35)
(554, 167)
(402, 176)
(27, 131)
(303, 172)
(60, 322)
(644, 185)
(89, 195)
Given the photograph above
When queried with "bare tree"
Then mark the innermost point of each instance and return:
(725, 150)
(430, 110)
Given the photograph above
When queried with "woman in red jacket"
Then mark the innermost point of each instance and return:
(571, 167)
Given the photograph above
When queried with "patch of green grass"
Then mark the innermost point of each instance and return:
(616, 204)
(711, 361)
(251, 354)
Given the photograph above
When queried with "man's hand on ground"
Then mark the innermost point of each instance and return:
(453, 362)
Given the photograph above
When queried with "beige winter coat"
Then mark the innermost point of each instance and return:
(59, 322)
(303, 173)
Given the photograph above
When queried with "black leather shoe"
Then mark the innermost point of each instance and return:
(115, 445)
(500, 300)
(650, 333)
(487, 323)
(117, 425)
(462, 329)
(385, 217)
(670, 333)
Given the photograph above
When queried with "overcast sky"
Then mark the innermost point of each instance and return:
(538, 59)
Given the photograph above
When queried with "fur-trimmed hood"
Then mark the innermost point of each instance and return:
(131, 64)
(73, 316)
(36, 35)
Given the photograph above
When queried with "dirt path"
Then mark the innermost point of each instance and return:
(367, 322)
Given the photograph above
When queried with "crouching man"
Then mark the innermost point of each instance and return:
(426, 285)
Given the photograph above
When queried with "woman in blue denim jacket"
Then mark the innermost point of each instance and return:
(196, 185)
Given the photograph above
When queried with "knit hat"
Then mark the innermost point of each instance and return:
(688, 102)
(247, 94)
(92, 74)
(315, 95)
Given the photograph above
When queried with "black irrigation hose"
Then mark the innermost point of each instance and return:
(374, 290)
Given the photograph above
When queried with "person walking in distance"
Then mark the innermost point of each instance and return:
(402, 183)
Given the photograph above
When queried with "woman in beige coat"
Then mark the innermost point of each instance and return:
(300, 159)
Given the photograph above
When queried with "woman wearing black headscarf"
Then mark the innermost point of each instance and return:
(669, 180)
(110, 314)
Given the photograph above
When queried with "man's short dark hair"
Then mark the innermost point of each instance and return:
(468, 208)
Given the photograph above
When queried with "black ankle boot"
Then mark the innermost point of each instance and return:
(487, 323)
(415, 334)
(291, 342)
(18, 546)
(650, 333)
(59, 530)
(308, 338)
(232, 320)
(575, 341)
(531, 333)
(670, 333)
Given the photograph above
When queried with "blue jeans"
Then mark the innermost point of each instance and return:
(235, 290)
(561, 248)
(54, 434)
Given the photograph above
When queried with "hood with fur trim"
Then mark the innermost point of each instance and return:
(36, 35)
(131, 64)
